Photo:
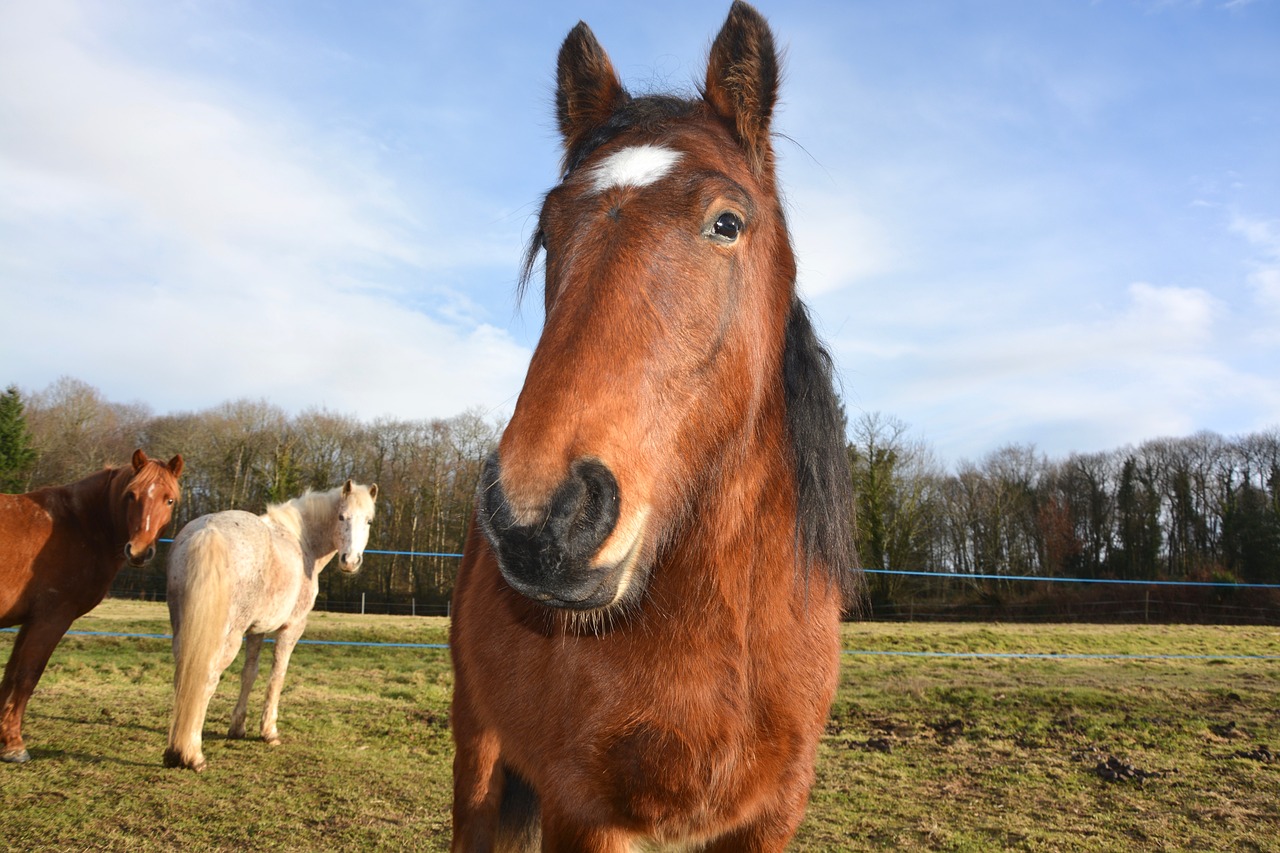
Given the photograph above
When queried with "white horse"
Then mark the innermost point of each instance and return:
(233, 574)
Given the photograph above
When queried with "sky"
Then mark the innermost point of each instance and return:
(1053, 224)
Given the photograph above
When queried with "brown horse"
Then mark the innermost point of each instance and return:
(60, 548)
(646, 621)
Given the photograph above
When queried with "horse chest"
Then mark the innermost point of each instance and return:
(676, 753)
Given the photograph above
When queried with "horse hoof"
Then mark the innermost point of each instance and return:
(15, 756)
(273, 740)
(173, 758)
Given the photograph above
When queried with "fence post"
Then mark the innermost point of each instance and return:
(362, 604)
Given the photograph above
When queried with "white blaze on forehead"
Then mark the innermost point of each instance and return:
(637, 166)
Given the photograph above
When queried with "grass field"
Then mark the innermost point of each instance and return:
(922, 753)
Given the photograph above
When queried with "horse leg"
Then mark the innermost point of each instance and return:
(286, 639)
(252, 648)
(761, 837)
(477, 779)
(562, 835)
(772, 828)
(493, 810)
(31, 650)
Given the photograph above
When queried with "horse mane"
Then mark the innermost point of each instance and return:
(820, 459)
(305, 513)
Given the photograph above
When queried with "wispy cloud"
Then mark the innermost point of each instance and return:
(1263, 236)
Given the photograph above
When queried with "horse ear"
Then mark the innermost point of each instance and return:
(588, 90)
(373, 492)
(346, 488)
(139, 459)
(742, 81)
(175, 465)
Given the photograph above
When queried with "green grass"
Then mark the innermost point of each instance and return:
(922, 753)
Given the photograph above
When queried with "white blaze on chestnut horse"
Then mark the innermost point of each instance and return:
(645, 631)
(234, 575)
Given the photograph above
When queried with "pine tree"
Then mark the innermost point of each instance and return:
(16, 453)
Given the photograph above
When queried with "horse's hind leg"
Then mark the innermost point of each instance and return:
(252, 649)
(286, 639)
(31, 651)
(193, 693)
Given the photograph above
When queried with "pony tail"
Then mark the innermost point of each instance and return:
(203, 611)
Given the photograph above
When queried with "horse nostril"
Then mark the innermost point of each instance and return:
(584, 508)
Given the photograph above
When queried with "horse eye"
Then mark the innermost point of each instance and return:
(342, 517)
(727, 226)
(170, 501)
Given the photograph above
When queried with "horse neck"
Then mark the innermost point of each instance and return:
(742, 533)
(97, 503)
(315, 514)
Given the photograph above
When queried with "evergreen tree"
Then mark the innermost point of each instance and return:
(1138, 520)
(16, 453)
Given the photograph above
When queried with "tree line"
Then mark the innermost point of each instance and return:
(1201, 508)
(1197, 508)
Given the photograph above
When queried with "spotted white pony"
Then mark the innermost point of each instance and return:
(236, 575)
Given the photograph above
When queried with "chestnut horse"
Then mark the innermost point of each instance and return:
(233, 574)
(60, 548)
(645, 627)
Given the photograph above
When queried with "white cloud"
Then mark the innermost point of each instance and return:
(188, 242)
(839, 246)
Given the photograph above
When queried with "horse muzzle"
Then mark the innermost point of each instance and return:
(350, 563)
(554, 559)
(138, 560)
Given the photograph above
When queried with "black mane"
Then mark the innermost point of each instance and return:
(815, 421)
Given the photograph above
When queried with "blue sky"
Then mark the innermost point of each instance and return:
(1050, 223)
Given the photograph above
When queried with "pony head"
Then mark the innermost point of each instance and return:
(356, 506)
(669, 282)
(149, 498)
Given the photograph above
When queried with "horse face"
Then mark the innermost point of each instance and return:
(668, 278)
(149, 499)
(355, 517)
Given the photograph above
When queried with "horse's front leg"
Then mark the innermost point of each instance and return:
(561, 835)
(480, 785)
(31, 650)
(286, 638)
(252, 649)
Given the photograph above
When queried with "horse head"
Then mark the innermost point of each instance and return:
(149, 497)
(355, 516)
(669, 278)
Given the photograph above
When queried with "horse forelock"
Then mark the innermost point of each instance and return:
(649, 114)
(152, 473)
